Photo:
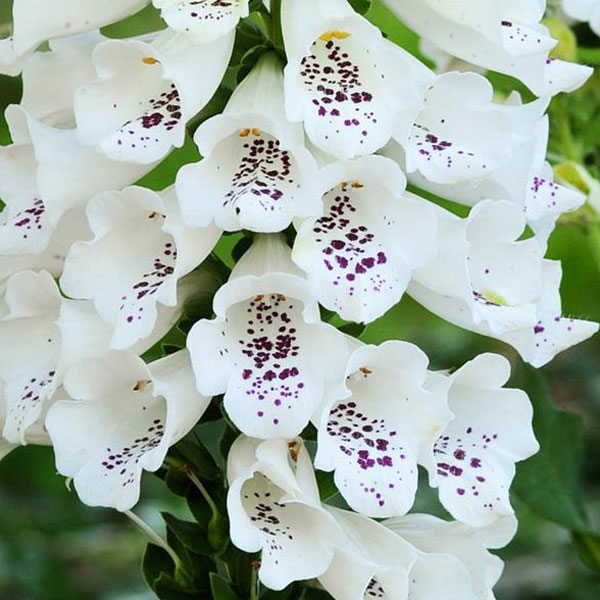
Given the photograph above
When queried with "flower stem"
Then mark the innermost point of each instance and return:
(194, 479)
(593, 234)
(155, 538)
(276, 32)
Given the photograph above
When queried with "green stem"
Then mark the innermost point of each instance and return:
(562, 118)
(276, 32)
(155, 538)
(254, 584)
(594, 242)
(194, 479)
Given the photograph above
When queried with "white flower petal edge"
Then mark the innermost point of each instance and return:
(375, 433)
(473, 460)
(505, 37)
(373, 562)
(36, 433)
(156, 405)
(203, 21)
(584, 10)
(264, 350)
(273, 506)
(527, 169)
(146, 229)
(486, 281)
(349, 86)
(256, 173)
(46, 333)
(359, 256)
(466, 547)
(34, 22)
(69, 173)
(146, 93)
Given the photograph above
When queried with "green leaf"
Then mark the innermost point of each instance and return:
(588, 548)
(191, 535)
(155, 562)
(549, 482)
(310, 593)
(167, 588)
(327, 488)
(198, 458)
(221, 588)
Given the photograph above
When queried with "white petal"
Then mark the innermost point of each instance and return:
(474, 458)
(374, 436)
(360, 254)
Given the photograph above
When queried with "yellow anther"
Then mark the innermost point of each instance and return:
(280, 297)
(256, 132)
(365, 371)
(357, 185)
(244, 132)
(258, 298)
(294, 448)
(150, 60)
(334, 33)
(141, 384)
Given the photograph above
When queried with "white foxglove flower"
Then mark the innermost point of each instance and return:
(123, 418)
(499, 36)
(486, 281)
(473, 460)
(460, 135)
(48, 334)
(264, 350)
(359, 256)
(350, 87)
(373, 562)
(375, 433)
(69, 173)
(146, 93)
(144, 227)
(203, 20)
(256, 173)
(36, 434)
(450, 543)
(35, 21)
(525, 179)
(273, 506)
(584, 10)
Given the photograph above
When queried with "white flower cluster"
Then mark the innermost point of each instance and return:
(95, 270)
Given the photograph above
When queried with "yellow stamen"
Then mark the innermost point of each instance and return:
(244, 132)
(258, 298)
(256, 132)
(150, 60)
(294, 448)
(357, 185)
(334, 33)
(141, 384)
(365, 371)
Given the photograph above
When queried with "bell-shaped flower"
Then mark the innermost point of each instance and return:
(203, 21)
(256, 173)
(264, 349)
(499, 36)
(123, 417)
(350, 87)
(359, 256)
(384, 423)
(487, 280)
(26, 227)
(139, 253)
(273, 506)
(36, 434)
(372, 562)
(473, 460)
(36, 21)
(47, 335)
(524, 169)
(460, 135)
(584, 10)
(457, 554)
(146, 92)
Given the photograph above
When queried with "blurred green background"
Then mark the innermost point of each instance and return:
(52, 547)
